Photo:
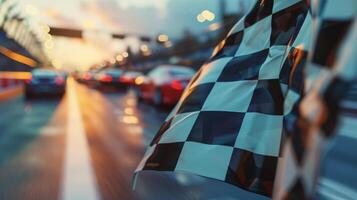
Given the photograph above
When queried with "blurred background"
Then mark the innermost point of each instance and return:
(86, 84)
(87, 34)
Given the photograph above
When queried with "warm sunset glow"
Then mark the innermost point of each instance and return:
(125, 54)
(129, 111)
(131, 102)
(139, 80)
(144, 48)
(214, 26)
(31, 10)
(163, 38)
(130, 120)
(206, 15)
(119, 58)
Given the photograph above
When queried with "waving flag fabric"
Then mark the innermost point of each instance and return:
(229, 124)
(331, 74)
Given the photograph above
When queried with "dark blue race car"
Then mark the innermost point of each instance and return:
(45, 82)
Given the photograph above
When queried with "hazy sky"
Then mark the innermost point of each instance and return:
(148, 17)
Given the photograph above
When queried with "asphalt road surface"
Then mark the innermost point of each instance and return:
(87, 145)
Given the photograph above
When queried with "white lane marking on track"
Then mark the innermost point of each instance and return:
(331, 189)
(78, 176)
(347, 127)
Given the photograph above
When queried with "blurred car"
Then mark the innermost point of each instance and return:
(87, 77)
(128, 78)
(109, 78)
(45, 82)
(164, 85)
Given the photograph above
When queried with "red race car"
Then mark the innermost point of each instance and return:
(109, 78)
(164, 85)
(129, 77)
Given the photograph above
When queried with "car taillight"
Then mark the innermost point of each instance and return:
(177, 85)
(106, 78)
(87, 76)
(28, 81)
(124, 79)
(59, 80)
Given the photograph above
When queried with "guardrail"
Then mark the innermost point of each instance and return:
(9, 83)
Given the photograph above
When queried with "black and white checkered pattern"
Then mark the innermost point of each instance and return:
(229, 122)
(330, 72)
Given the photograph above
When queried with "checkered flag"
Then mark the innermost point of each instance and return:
(229, 123)
(330, 75)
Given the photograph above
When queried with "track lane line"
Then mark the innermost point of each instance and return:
(78, 175)
(331, 189)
